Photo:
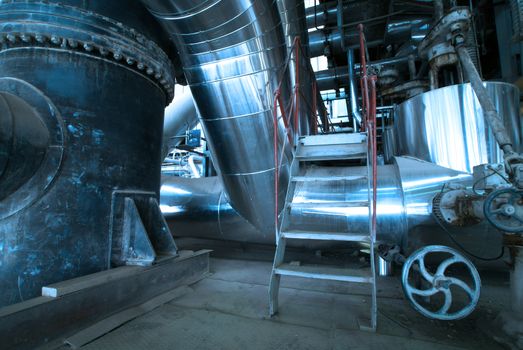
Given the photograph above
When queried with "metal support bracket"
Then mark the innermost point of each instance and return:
(139, 233)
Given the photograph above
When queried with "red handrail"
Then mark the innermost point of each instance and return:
(295, 105)
(369, 124)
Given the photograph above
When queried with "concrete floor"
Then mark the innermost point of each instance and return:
(228, 310)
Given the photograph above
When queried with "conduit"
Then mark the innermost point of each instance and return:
(232, 53)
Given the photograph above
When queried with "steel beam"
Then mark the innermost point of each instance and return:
(85, 300)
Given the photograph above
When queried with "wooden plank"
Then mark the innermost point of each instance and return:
(37, 322)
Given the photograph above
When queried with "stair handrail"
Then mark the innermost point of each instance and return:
(293, 108)
(368, 84)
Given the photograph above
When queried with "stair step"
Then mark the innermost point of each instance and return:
(333, 139)
(327, 178)
(340, 152)
(332, 147)
(326, 273)
(312, 205)
(328, 236)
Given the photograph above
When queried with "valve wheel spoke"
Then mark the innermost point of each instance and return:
(462, 285)
(448, 302)
(445, 264)
(423, 292)
(423, 269)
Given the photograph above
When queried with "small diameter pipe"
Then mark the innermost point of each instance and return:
(352, 87)
(489, 111)
(194, 169)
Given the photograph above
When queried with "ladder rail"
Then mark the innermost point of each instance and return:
(368, 82)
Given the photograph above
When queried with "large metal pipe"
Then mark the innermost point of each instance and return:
(232, 53)
(489, 110)
(292, 13)
(331, 79)
(446, 126)
(327, 44)
(199, 207)
(322, 14)
(181, 115)
(340, 76)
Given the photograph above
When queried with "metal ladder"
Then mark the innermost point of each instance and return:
(333, 147)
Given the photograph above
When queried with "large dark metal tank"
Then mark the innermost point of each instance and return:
(82, 99)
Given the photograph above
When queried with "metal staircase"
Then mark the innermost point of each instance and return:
(333, 148)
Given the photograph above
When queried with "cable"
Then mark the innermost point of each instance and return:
(463, 248)
(484, 177)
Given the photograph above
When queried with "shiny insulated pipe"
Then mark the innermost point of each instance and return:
(292, 13)
(232, 54)
(199, 208)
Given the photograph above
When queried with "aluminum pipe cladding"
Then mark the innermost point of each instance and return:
(446, 126)
(232, 54)
(292, 13)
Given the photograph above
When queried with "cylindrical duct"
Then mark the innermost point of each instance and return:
(199, 207)
(232, 54)
(292, 13)
(446, 126)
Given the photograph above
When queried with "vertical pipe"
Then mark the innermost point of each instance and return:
(384, 267)
(297, 90)
(353, 94)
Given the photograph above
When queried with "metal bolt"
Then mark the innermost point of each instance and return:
(117, 56)
(40, 38)
(455, 27)
(130, 61)
(55, 39)
(103, 51)
(150, 71)
(72, 43)
(157, 76)
(11, 38)
(25, 38)
(140, 66)
(88, 47)
(459, 40)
